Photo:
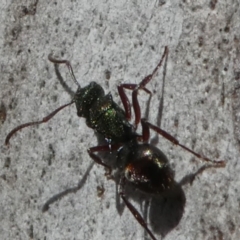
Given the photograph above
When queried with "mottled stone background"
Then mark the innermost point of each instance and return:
(114, 42)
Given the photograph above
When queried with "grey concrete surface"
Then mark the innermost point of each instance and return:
(201, 108)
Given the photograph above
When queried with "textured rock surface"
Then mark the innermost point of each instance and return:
(113, 42)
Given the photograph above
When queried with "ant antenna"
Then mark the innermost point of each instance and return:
(44, 120)
(56, 61)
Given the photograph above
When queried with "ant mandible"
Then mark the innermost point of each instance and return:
(139, 162)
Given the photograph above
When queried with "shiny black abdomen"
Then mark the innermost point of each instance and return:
(146, 167)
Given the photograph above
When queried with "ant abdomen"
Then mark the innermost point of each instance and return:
(146, 167)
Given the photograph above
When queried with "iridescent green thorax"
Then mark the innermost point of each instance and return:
(102, 113)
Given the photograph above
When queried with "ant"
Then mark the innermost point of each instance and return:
(140, 163)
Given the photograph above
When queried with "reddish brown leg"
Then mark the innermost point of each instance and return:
(146, 125)
(142, 85)
(135, 88)
(97, 159)
(44, 120)
(124, 98)
(132, 209)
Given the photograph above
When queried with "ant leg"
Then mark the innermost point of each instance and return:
(132, 209)
(145, 131)
(146, 125)
(44, 120)
(124, 98)
(98, 160)
(142, 85)
(135, 88)
(68, 64)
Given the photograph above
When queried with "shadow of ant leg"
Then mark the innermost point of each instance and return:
(188, 179)
(68, 64)
(60, 195)
(62, 81)
(147, 125)
(120, 206)
(146, 207)
(132, 209)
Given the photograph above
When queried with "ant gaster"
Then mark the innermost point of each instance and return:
(140, 163)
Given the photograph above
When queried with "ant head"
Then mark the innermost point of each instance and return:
(85, 97)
